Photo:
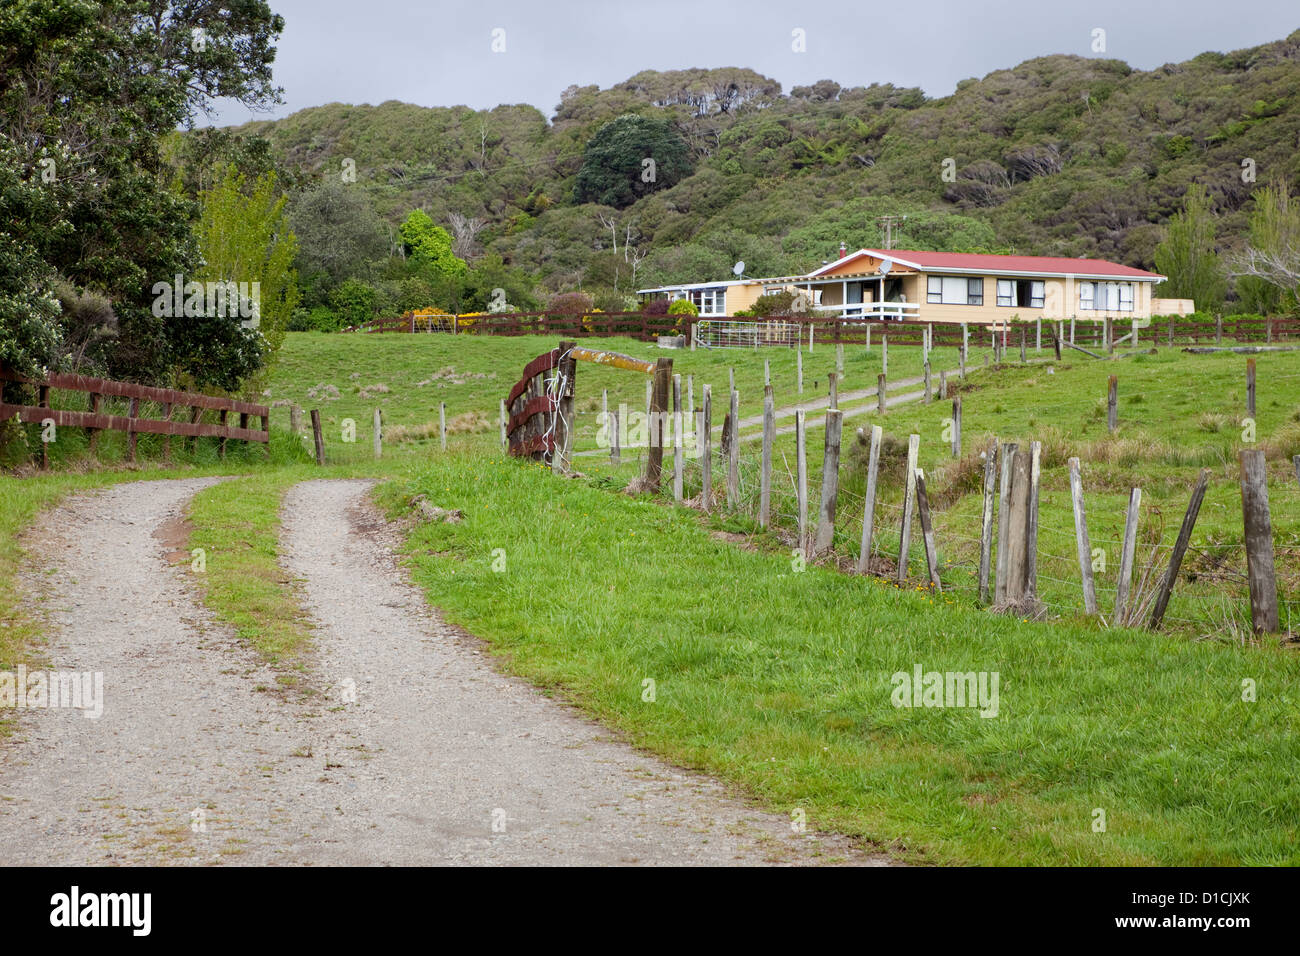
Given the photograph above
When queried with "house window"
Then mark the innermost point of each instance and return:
(1106, 296)
(710, 301)
(954, 290)
(1022, 293)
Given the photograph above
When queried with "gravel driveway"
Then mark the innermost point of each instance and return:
(417, 751)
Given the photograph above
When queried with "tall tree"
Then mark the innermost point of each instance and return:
(630, 157)
(1188, 258)
(1272, 254)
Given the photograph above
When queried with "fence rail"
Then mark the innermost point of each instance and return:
(134, 423)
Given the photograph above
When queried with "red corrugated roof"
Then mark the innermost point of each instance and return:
(981, 262)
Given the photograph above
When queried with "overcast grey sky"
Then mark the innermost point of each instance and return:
(440, 54)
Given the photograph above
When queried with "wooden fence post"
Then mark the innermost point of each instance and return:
(880, 393)
(839, 359)
(835, 389)
(965, 346)
(1004, 523)
(830, 482)
(317, 434)
(909, 501)
(1127, 552)
(929, 394)
(884, 354)
(1038, 334)
(1023, 357)
(1170, 576)
(678, 451)
(295, 418)
(442, 425)
(377, 435)
(801, 478)
(986, 512)
(765, 475)
(956, 427)
(1259, 541)
(943, 385)
(1082, 545)
(798, 369)
(706, 452)
(869, 510)
(733, 452)
(927, 530)
(1218, 328)
(659, 386)
(617, 421)
(1296, 461)
(1250, 387)
(767, 372)
(1112, 404)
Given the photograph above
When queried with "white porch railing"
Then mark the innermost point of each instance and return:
(875, 311)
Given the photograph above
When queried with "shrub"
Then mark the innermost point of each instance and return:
(570, 303)
(318, 319)
(683, 307)
(355, 301)
(656, 307)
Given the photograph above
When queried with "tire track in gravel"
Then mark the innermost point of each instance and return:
(184, 727)
(437, 743)
(436, 746)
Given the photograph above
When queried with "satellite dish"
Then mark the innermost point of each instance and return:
(738, 268)
(884, 267)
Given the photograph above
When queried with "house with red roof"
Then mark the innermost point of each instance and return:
(903, 284)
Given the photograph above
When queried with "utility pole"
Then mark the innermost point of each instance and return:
(887, 223)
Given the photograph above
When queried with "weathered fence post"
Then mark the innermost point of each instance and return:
(1250, 387)
(1038, 334)
(943, 385)
(295, 418)
(956, 427)
(378, 434)
(1259, 541)
(798, 369)
(678, 453)
(1218, 328)
(1112, 404)
(927, 530)
(880, 393)
(1004, 523)
(986, 513)
(830, 482)
(909, 501)
(801, 479)
(1082, 545)
(442, 424)
(869, 510)
(1023, 357)
(706, 450)
(839, 359)
(659, 385)
(835, 389)
(1166, 586)
(965, 346)
(767, 372)
(615, 437)
(929, 395)
(1127, 551)
(733, 453)
(765, 475)
(884, 354)
(318, 435)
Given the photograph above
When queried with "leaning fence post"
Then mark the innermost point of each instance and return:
(733, 452)
(986, 512)
(830, 482)
(1259, 541)
(801, 479)
(765, 476)
(378, 434)
(320, 438)
(869, 511)
(1082, 545)
(927, 530)
(1180, 548)
(1112, 404)
(909, 499)
(1127, 551)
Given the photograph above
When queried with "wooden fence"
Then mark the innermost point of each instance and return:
(134, 423)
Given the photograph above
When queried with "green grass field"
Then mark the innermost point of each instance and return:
(778, 679)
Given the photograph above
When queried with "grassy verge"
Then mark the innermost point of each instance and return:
(780, 681)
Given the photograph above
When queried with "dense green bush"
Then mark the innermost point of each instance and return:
(683, 307)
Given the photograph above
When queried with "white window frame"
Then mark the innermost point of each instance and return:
(954, 290)
(1006, 293)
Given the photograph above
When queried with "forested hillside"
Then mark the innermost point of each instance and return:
(1061, 155)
